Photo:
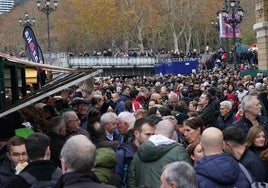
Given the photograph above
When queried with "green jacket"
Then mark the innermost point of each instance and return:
(104, 164)
(146, 166)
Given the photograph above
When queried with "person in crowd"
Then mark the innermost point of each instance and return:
(77, 160)
(195, 92)
(48, 111)
(207, 111)
(120, 105)
(185, 95)
(172, 101)
(153, 155)
(234, 144)
(251, 115)
(157, 98)
(40, 167)
(114, 99)
(134, 93)
(241, 91)
(262, 96)
(193, 128)
(16, 153)
(217, 169)
(82, 112)
(164, 94)
(257, 140)
(178, 174)
(72, 123)
(151, 103)
(195, 151)
(110, 122)
(226, 117)
(192, 106)
(143, 130)
(141, 113)
(57, 135)
(163, 111)
(125, 125)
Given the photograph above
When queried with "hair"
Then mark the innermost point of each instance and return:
(253, 133)
(79, 153)
(195, 123)
(182, 173)
(15, 141)
(133, 93)
(66, 115)
(228, 104)
(93, 116)
(128, 105)
(234, 134)
(247, 102)
(208, 96)
(152, 110)
(164, 111)
(172, 95)
(140, 122)
(191, 147)
(107, 117)
(127, 117)
(95, 99)
(51, 109)
(55, 123)
(194, 103)
(36, 145)
(181, 107)
(140, 113)
(165, 128)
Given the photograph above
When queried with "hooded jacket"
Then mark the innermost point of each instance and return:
(151, 157)
(220, 171)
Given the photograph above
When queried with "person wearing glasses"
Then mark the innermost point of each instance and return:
(16, 153)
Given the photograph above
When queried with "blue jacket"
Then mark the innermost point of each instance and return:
(223, 123)
(120, 104)
(220, 171)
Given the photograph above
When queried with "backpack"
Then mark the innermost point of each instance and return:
(253, 184)
(35, 183)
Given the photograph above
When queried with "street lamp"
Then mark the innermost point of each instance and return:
(47, 9)
(216, 24)
(28, 21)
(237, 13)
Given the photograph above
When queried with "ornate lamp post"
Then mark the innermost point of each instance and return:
(47, 9)
(28, 21)
(232, 14)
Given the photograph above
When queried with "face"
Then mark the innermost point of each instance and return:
(198, 153)
(72, 124)
(255, 108)
(82, 109)
(17, 154)
(122, 127)
(260, 140)
(251, 88)
(151, 104)
(202, 100)
(196, 87)
(111, 126)
(224, 110)
(191, 107)
(172, 102)
(190, 134)
(146, 132)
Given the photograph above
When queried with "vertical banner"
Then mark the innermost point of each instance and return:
(226, 30)
(34, 52)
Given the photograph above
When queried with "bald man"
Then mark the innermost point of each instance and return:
(160, 150)
(217, 169)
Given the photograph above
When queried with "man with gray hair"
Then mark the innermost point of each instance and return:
(227, 116)
(126, 122)
(160, 150)
(251, 114)
(177, 175)
(77, 160)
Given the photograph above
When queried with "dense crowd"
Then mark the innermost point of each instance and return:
(196, 130)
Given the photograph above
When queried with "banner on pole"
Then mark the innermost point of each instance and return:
(226, 30)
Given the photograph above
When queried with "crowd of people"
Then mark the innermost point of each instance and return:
(190, 131)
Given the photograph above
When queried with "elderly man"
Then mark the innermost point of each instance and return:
(227, 116)
(251, 115)
(177, 175)
(172, 100)
(77, 160)
(126, 122)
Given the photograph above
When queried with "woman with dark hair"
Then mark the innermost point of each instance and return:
(193, 128)
(195, 151)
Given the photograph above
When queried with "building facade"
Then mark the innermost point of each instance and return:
(6, 6)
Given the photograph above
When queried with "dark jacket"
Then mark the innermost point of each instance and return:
(148, 162)
(41, 170)
(208, 115)
(6, 172)
(56, 143)
(223, 123)
(254, 165)
(244, 124)
(120, 105)
(81, 180)
(124, 156)
(220, 171)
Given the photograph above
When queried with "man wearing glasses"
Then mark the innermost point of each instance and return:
(16, 153)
